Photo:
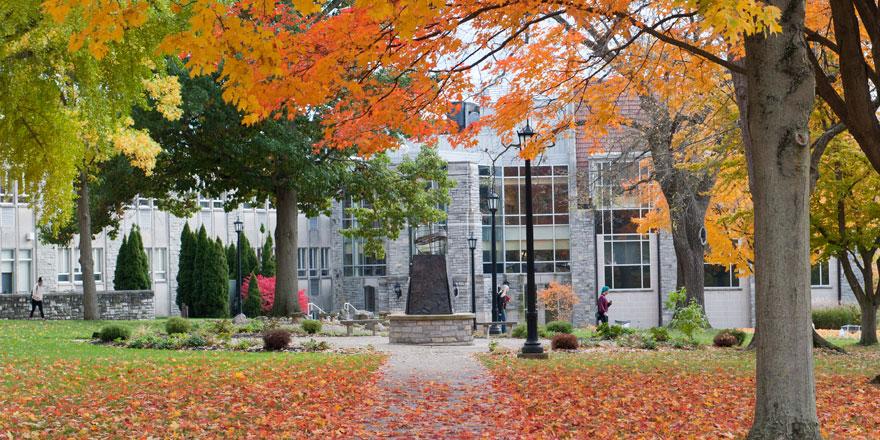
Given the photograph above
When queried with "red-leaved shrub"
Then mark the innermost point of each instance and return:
(564, 341)
(274, 340)
(725, 339)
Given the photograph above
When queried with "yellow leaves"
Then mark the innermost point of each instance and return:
(165, 90)
(140, 148)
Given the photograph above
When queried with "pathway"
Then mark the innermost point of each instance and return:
(432, 392)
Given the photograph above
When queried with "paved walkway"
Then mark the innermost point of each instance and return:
(432, 391)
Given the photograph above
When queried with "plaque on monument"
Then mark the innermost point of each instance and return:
(429, 286)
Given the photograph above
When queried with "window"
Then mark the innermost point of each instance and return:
(7, 217)
(7, 265)
(97, 261)
(719, 275)
(616, 184)
(356, 262)
(160, 266)
(144, 203)
(25, 268)
(551, 222)
(64, 265)
(301, 263)
(819, 275)
(325, 262)
(218, 204)
(204, 203)
(313, 262)
(314, 288)
(6, 195)
(627, 261)
(313, 223)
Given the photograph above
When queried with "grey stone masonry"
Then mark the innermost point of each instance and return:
(583, 266)
(464, 219)
(456, 329)
(668, 267)
(127, 304)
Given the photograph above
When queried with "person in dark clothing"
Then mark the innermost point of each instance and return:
(503, 299)
(37, 298)
(604, 304)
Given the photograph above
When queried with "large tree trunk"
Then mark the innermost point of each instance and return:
(866, 294)
(86, 262)
(780, 98)
(869, 324)
(286, 303)
(689, 248)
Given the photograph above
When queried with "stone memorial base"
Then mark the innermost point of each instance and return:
(454, 329)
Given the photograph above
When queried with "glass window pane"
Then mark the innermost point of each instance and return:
(627, 277)
(627, 252)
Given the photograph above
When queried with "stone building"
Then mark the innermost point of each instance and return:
(584, 236)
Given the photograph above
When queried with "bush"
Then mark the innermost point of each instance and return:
(275, 340)
(660, 334)
(113, 332)
(211, 281)
(254, 302)
(834, 318)
(682, 343)
(143, 341)
(521, 331)
(132, 266)
(606, 331)
(738, 334)
(564, 341)
(637, 340)
(724, 339)
(223, 329)
(688, 316)
(177, 325)
(195, 340)
(314, 346)
(311, 326)
(559, 327)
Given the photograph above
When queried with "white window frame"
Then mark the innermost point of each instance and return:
(63, 258)
(325, 262)
(11, 261)
(642, 239)
(301, 262)
(822, 283)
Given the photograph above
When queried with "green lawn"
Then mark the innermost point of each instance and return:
(54, 382)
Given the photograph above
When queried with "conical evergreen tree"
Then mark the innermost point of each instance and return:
(140, 264)
(202, 245)
(215, 281)
(121, 260)
(267, 259)
(253, 303)
(185, 268)
(249, 262)
(231, 260)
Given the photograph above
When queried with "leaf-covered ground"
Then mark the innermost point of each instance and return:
(52, 387)
(707, 393)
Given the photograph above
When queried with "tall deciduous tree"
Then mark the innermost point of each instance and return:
(845, 220)
(65, 105)
(209, 151)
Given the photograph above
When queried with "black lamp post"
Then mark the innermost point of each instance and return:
(239, 227)
(472, 244)
(532, 347)
(493, 208)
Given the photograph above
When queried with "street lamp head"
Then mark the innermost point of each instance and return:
(472, 242)
(493, 201)
(525, 133)
(239, 225)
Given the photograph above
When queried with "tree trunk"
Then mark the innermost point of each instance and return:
(780, 98)
(869, 324)
(286, 302)
(86, 262)
(689, 249)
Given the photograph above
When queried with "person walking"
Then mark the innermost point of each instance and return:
(503, 299)
(604, 305)
(37, 297)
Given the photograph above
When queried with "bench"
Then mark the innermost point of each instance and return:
(488, 325)
(368, 323)
(849, 328)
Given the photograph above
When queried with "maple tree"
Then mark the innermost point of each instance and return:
(559, 299)
(845, 209)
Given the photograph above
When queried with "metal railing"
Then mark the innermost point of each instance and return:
(313, 307)
(348, 308)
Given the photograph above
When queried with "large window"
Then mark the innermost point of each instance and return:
(7, 266)
(719, 275)
(819, 275)
(325, 262)
(160, 264)
(97, 260)
(356, 262)
(551, 222)
(25, 270)
(627, 261)
(301, 262)
(64, 265)
(313, 262)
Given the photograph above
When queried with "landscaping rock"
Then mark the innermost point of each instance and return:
(240, 319)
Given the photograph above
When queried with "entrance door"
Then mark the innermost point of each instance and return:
(370, 298)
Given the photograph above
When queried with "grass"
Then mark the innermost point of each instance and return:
(55, 383)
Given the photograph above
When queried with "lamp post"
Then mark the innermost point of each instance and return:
(239, 227)
(532, 347)
(472, 244)
(493, 208)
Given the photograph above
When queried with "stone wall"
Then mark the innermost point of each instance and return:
(128, 304)
(456, 329)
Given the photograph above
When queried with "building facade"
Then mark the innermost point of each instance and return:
(584, 236)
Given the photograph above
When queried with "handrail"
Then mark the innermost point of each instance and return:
(315, 306)
(347, 306)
